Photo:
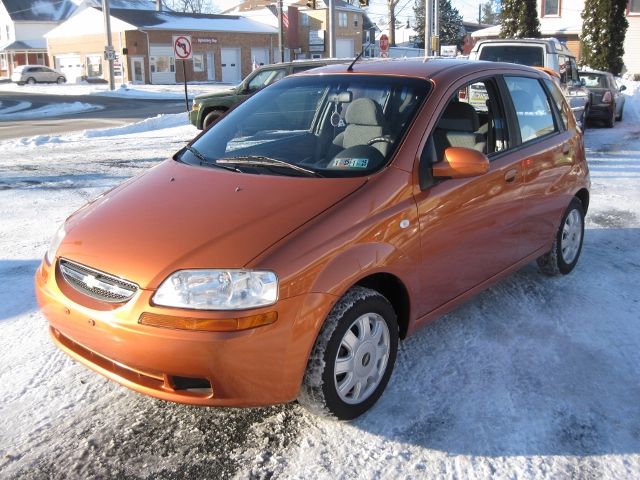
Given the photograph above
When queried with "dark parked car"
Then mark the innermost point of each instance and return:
(209, 106)
(606, 96)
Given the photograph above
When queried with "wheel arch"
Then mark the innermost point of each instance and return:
(207, 110)
(394, 290)
(583, 196)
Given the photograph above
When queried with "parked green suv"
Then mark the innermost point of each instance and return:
(209, 106)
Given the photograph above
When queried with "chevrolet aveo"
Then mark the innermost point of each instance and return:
(284, 252)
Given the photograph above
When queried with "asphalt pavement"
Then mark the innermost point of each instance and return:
(117, 111)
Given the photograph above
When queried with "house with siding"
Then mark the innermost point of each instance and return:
(563, 21)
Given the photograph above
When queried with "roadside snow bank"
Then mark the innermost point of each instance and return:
(159, 122)
(50, 110)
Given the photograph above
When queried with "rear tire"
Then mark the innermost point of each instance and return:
(353, 357)
(620, 116)
(612, 121)
(564, 254)
(211, 117)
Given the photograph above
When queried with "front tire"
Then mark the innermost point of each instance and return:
(61, 80)
(564, 254)
(353, 357)
(31, 81)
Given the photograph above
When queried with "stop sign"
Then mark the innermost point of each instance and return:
(384, 43)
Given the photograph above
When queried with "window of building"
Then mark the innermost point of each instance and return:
(634, 7)
(162, 64)
(198, 63)
(94, 66)
(304, 20)
(40, 59)
(342, 19)
(550, 8)
(355, 20)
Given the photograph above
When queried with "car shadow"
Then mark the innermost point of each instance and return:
(533, 366)
(16, 294)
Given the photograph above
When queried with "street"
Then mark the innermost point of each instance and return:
(115, 111)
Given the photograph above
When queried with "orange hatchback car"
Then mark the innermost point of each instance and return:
(284, 252)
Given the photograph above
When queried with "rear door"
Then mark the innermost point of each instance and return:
(548, 143)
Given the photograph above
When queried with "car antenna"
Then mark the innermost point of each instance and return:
(350, 68)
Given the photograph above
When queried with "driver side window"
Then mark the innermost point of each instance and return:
(473, 118)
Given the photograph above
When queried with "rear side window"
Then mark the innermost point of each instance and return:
(558, 99)
(521, 54)
(531, 104)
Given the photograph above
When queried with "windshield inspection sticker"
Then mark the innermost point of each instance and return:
(350, 163)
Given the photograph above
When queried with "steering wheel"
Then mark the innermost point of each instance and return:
(385, 139)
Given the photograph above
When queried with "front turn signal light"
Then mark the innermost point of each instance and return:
(208, 324)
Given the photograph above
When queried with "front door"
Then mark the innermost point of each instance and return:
(469, 227)
(137, 70)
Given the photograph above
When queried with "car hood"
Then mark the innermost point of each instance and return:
(177, 216)
(220, 93)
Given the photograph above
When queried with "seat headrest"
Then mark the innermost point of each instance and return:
(364, 111)
(459, 116)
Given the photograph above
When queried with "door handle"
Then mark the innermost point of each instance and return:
(510, 176)
(566, 148)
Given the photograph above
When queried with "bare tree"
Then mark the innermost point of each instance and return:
(191, 6)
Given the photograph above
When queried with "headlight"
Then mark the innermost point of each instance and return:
(218, 289)
(50, 256)
(195, 106)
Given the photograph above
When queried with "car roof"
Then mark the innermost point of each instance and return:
(436, 69)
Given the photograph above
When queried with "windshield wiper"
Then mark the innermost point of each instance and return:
(257, 160)
(205, 161)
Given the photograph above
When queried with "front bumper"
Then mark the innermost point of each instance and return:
(193, 117)
(261, 366)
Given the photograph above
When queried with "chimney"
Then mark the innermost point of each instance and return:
(159, 5)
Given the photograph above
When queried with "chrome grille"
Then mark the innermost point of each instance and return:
(96, 284)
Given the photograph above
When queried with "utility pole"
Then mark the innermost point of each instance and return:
(109, 52)
(332, 29)
(479, 13)
(280, 31)
(436, 28)
(428, 5)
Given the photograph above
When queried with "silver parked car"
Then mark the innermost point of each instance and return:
(35, 74)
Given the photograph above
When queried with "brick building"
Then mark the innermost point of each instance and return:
(224, 46)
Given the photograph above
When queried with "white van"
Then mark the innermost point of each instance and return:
(540, 52)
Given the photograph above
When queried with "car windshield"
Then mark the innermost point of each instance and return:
(521, 54)
(593, 80)
(316, 126)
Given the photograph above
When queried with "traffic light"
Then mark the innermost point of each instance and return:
(311, 4)
(364, 3)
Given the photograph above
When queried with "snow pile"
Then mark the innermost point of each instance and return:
(144, 92)
(159, 122)
(51, 110)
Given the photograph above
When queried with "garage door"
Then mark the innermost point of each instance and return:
(344, 48)
(230, 60)
(71, 66)
(260, 56)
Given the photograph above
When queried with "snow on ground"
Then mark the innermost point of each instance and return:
(145, 92)
(22, 110)
(536, 377)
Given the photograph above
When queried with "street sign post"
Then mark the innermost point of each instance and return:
(384, 45)
(183, 50)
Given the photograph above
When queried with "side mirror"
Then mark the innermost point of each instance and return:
(460, 162)
(583, 82)
(623, 88)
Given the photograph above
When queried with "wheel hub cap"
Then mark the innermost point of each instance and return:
(362, 358)
(571, 236)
